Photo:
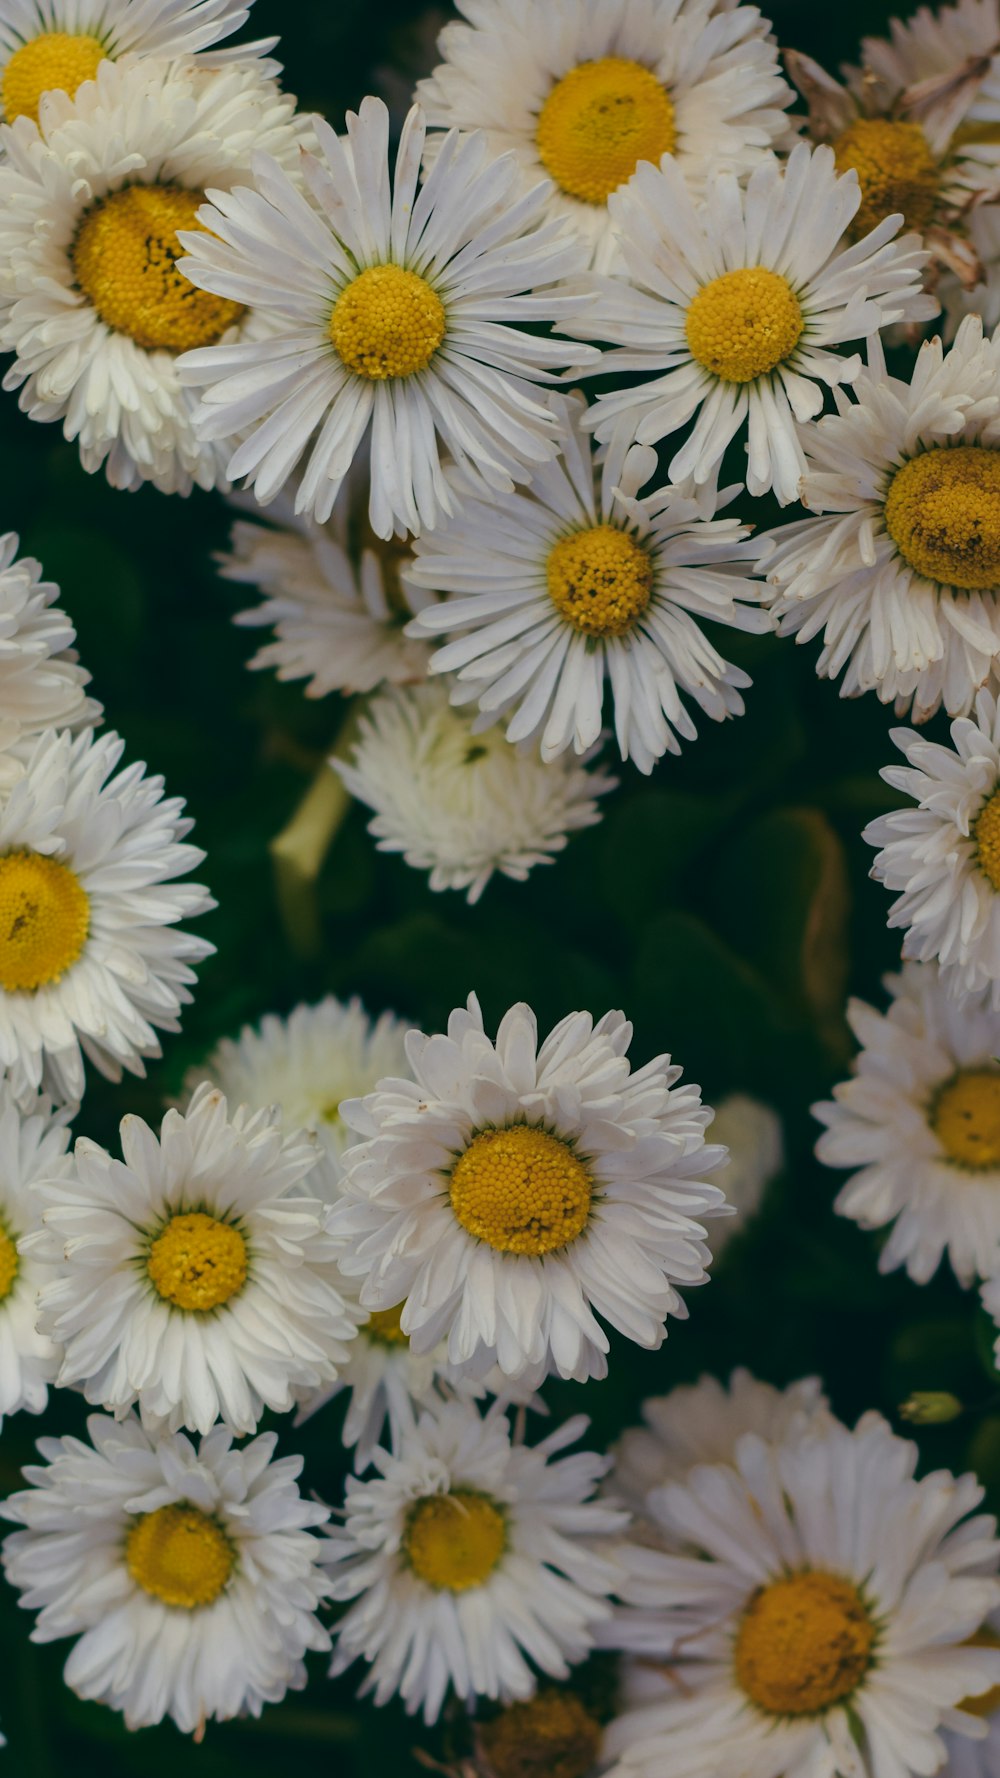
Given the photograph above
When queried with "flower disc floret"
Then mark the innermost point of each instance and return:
(180, 1556)
(198, 1263)
(600, 580)
(804, 1644)
(454, 1541)
(986, 833)
(965, 1117)
(8, 1264)
(54, 61)
(44, 921)
(521, 1190)
(744, 324)
(388, 322)
(599, 121)
(896, 171)
(383, 1327)
(942, 511)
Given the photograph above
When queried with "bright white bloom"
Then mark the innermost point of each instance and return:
(903, 575)
(736, 308)
(751, 1132)
(575, 583)
(943, 855)
(189, 1572)
(91, 301)
(816, 1615)
(194, 1279)
(33, 1146)
(582, 91)
(470, 1557)
(41, 680)
(461, 802)
(394, 322)
(509, 1193)
(91, 961)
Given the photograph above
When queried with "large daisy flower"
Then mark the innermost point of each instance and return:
(459, 801)
(736, 307)
(91, 961)
(33, 1146)
(395, 322)
(91, 301)
(943, 855)
(193, 1279)
(41, 681)
(508, 1194)
(583, 91)
(469, 1557)
(816, 1607)
(575, 583)
(188, 1572)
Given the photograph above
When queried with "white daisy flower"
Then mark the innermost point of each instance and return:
(933, 40)
(509, 1193)
(193, 1279)
(92, 303)
(459, 801)
(41, 680)
(188, 1572)
(91, 962)
(470, 1557)
(735, 309)
(33, 1145)
(902, 571)
(395, 322)
(576, 582)
(817, 1614)
(751, 1133)
(943, 855)
(581, 92)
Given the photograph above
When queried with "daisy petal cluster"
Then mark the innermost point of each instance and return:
(42, 684)
(33, 1144)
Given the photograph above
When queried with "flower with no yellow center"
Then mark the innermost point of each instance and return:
(805, 1643)
(53, 61)
(599, 121)
(125, 261)
(521, 1190)
(387, 323)
(551, 1735)
(198, 1263)
(44, 921)
(965, 1117)
(942, 511)
(454, 1541)
(744, 324)
(180, 1556)
(600, 580)
(9, 1264)
(986, 833)
(896, 171)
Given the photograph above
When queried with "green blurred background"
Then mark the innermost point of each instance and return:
(724, 904)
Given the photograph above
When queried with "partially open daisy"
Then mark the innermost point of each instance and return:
(900, 570)
(395, 322)
(469, 1557)
(92, 303)
(189, 1573)
(583, 92)
(91, 960)
(736, 306)
(193, 1279)
(796, 1615)
(575, 585)
(33, 1146)
(41, 681)
(509, 1193)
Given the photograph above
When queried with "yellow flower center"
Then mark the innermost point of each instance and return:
(382, 1327)
(125, 261)
(805, 1643)
(983, 1703)
(744, 324)
(179, 1555)
(198, 1263)
(454, 1541)
(976, 132)
(599, 122)
(896, 171)
(600, 580)
(552, 1735)
(986, 833)
(942, 512)
(521, 1190)
(387, 323)
(54, 61)
(9, 1264)
(965, 1118)
(44, 921)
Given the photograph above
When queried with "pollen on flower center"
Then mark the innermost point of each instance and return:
(805, 1642)
(942, 512)
(125, 261)
(982, 1703)
(44, 921)
(198, 1263)
(551, 1735)
(986, 833)
(454, 1541)
(965, 1117)
(179, 1555)
(54, 61)
(744, 324)
(521, 1190)
(387, 323)
(896, 171)
(383, 1329)
(599, 122)
(9, 1264)
(600, 580)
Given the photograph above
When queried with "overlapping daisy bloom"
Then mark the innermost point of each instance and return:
(188, 1573)
(395, 323)
(582, 91)
(472, 1561)
(42, 684)
(33, 1144)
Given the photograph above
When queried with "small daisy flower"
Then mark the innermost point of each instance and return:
(819, 1613)
(33, 1145)
(459, 801)
(91, 962)
(193, 1278)
(189, 1573)
(751, 1133)
(736, 307)
(574, 583)
(92, 303)
(943, 855)
(509, 1192)
(394, 323)
(41, 681)
(468, 1557)
(582, 92)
